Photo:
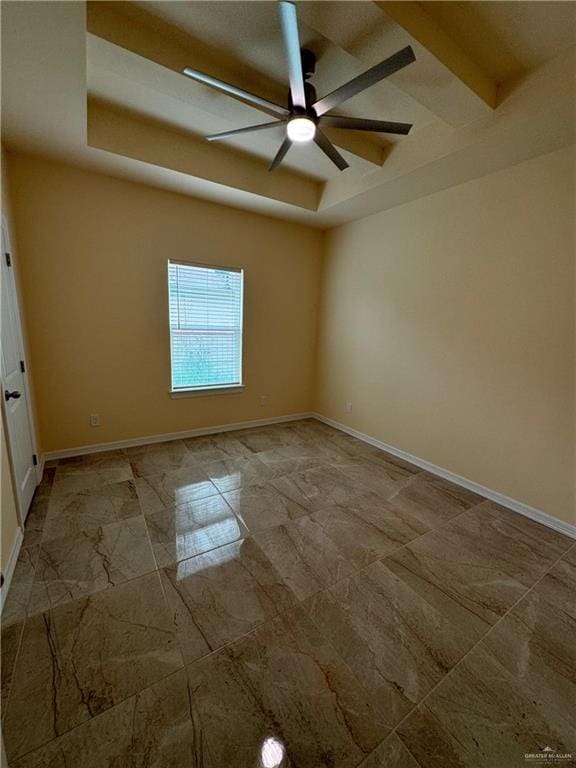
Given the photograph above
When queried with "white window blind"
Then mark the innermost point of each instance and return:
(205, 326)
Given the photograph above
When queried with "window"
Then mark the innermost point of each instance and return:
(205, 326)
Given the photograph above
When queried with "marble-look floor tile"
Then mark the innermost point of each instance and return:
(289, 459)
(256, 440)
(311, 429)
(399, 525)
(230, 474)
(390, 754)
(180, 532)
(513, 694)
(505, 522)
(318, 487)
(224, 443)
(378, 456)
(156, 728)
(285, 689)
(94, 462)
(209, 455)
(9, 645)
(291, 451)
(235, 727)
(67, 482)
(18, 597)
(80, 659)
(364, 529)
(156, 458)
(304, 556)
(432, 499)
(179, 486)
(329, 450)
(377, 477)
(219, 596)
(570, 555)
(36, 517)
(399, 638)
(96, 559)
(319, 659)
(486, 558)
(287, 434)
(558, 587)
(45, 485)
(71, 514)
(262, 506)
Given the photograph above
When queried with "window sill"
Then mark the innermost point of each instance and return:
(176, 394)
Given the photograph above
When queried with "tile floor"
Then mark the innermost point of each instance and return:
(285, 596)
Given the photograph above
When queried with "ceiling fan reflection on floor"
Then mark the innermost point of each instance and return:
(305, 115)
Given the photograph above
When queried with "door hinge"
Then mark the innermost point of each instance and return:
(8, 260)
(22, 366)
(34, 459)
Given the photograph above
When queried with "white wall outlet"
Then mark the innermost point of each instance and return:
(348, 407)
(263, 401)
(94, 419)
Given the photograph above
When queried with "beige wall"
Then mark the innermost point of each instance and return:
(8, 514)
(93, 254)
(449, 324)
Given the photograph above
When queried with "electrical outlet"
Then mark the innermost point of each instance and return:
(263, 401)
(348, 407)
(94, 419)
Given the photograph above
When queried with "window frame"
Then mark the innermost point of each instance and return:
(210, 389)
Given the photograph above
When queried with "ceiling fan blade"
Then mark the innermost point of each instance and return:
(284, 147)
(359, 124)
(249, 129)
(365, 80)
(289, 22)
(329, 149)
(232, 90)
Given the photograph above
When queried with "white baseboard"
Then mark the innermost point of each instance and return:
(481, 490)
(8, 572)
(99, 447)
(488, 493)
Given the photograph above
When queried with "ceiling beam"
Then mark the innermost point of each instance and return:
(122, 132)
(442, 79)
(415, 20)
(128, 26)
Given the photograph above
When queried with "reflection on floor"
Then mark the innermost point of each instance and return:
(284, 596)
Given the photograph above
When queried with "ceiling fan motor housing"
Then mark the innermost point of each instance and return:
(308, 62)
(308, 69)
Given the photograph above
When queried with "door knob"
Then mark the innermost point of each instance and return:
(15, 394)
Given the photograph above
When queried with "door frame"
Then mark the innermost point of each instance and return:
(15, 296)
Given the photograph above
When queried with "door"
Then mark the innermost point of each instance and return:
(14, 387)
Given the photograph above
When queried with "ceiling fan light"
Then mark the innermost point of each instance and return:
(301, 129)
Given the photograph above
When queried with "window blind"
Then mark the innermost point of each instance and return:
(205, 326)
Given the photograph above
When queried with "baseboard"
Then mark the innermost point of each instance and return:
(488, 493)
(99, 447)
(8, 572)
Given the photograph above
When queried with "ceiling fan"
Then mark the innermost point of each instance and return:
(305, 115)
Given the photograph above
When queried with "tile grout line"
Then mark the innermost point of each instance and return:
(473, 647)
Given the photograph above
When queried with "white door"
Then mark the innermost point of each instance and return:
(14, 387)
